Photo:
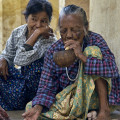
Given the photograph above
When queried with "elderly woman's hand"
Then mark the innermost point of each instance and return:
(3, 114)
(44, 31)
(77, 47)
(3, 68)
(33, 113)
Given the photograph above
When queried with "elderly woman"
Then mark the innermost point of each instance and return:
(71, 92)
(25, 47)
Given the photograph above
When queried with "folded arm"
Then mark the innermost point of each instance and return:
(105, 67)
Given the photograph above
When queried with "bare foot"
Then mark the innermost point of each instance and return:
(92, 115)
(104, 115)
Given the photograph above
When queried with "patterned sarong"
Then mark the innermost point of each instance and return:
(77, 99)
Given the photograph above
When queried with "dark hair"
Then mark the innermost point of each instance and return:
(35, 6)
(73, 9)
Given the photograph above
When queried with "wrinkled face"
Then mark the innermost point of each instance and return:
(37, 20)
(71, 28)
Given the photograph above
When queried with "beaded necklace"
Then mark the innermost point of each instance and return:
(77, 71)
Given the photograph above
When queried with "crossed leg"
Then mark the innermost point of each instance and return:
(104, 110)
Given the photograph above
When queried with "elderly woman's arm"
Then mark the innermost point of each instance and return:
(27, 54)
(105, 67)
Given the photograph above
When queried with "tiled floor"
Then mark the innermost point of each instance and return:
(16, 115)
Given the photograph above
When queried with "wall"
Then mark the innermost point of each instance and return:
(82, 3)
(10, 18)
(104, 19)
(1, 26)
(54, 22)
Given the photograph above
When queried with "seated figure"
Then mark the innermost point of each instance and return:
(26, 48)
(71, 92)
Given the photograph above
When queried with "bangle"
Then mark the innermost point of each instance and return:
(27, 47)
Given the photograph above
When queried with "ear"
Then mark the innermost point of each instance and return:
(26, 18)
(82, 36)
(85, 31)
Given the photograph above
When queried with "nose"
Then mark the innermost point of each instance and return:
(69, 34)
(38, 24)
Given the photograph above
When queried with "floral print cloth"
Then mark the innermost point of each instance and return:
(20, 87)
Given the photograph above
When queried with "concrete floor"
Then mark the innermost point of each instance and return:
(16, 115)
(115, 115)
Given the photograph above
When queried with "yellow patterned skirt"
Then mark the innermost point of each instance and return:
(75, 100)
